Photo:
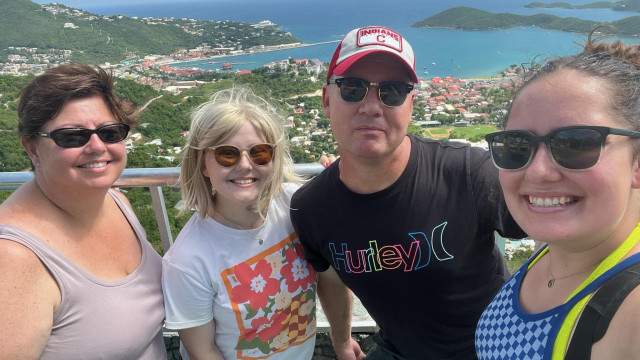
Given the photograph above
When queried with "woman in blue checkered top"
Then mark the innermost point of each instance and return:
(570, 173)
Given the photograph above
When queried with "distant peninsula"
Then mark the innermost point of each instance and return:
(627, 5)
(467, 18)
(565, 5)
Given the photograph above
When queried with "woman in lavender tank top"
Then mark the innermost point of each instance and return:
(78, 279)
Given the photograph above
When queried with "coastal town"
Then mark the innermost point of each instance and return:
(446, 102)
(162, 71)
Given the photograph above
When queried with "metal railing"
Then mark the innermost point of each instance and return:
(154, 179)
(157, 178)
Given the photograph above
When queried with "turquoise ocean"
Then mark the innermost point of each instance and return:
(439, 52)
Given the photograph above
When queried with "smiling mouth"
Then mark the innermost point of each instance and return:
(94, 165)
(551, 201)
(243, 181)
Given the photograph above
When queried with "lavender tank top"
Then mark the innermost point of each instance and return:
(102, 319)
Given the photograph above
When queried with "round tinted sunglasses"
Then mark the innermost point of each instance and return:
(572, 147)
(76, 137)
(229, 155)
(390, 93)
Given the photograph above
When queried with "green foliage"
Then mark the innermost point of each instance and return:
(323, 123)
(300, 156)
(627, 5)
(443, 118)
(439, 130)
(165, 122)
(12, 155)
(466, 18)
(140, 199)
(10, 86)
(320, 147)
(475, 131)
(415, 130)
(134, 92)
(4, 194)
(455, 135)
(147, 156)
(419, 111)
(518, 257)
(279, 85)
(8, 120)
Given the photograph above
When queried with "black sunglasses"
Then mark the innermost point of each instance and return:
(572, 147)
(390, 93)
(76, 137)
(229, 155)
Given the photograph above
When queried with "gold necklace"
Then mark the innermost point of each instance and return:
(243, 228)
(553, 279)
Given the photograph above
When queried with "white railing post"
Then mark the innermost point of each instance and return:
(159, 208)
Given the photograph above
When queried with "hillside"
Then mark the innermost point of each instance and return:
(466, 18)
(565, 5)
(625, 5)
(96, 38)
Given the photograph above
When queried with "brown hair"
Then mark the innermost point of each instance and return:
(42, 99)
(617, 63)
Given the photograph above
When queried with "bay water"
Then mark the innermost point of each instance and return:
(439, 52)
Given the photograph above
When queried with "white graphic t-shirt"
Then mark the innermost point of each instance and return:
(260, 296)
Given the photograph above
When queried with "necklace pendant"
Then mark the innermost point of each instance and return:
(551, 282)
(260, 241)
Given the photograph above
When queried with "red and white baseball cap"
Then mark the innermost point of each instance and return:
(368, 40)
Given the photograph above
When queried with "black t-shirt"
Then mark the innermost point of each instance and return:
(420, 255)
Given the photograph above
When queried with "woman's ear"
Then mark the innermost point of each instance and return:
(30, 148)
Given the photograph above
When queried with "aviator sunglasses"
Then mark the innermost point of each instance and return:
(390, 93)
(76, 137)
(572, 147)
(229, 155)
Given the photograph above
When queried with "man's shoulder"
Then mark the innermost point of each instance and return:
(449, 148)
(428, 143)
(314, 188)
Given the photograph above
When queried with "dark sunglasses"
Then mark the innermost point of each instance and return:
(572, 147)
(76, 137)
(229, 155)
(390, 93)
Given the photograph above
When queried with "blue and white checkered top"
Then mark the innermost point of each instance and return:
(505, 331)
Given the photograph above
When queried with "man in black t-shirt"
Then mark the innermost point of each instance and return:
(406, 223)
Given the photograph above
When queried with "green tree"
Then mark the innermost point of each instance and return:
(415, 130)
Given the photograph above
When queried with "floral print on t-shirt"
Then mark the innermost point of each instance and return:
(273, 295)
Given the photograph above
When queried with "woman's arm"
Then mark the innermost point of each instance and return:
(200, 342)
(30, 296)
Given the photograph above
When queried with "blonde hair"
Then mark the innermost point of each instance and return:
(215, 121)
